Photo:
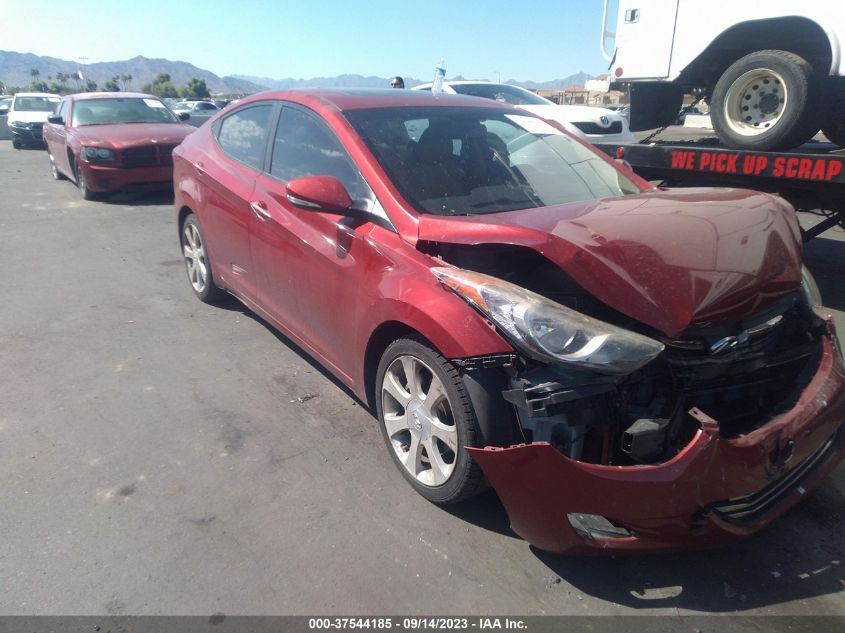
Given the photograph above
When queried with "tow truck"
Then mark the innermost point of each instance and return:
(811, 177)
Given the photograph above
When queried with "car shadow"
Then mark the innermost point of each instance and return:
(799, 556)
(139, 198)
(485, 511)
(233, 304)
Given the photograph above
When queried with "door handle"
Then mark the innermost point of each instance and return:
(260, 209)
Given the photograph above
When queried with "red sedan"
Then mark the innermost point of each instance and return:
(630, 367)
(117, 141)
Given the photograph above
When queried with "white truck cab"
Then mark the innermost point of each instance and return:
(774, 72)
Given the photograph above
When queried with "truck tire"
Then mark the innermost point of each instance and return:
(834, 129)
(766, 101)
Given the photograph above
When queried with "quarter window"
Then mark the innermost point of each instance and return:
(243, 134)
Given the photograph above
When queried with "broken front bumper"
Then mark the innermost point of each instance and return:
(715, 490)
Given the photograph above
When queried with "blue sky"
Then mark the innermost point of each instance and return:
(493, 39)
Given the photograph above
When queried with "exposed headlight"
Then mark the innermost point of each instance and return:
(809, 289)
(20, 124)
(548, 331)
(97, 153)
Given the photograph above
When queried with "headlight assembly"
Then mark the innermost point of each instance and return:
(91, 154)
(19, 124)
(548, 331)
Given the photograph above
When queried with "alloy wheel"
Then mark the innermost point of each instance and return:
(419, 421)
(196, 260)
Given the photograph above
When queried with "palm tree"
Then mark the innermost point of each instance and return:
(126, 80)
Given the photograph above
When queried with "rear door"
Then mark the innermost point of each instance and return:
(227, 174)
(645, 32)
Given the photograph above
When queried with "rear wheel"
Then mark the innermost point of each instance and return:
(197, 262)
(427, 422)
(767, 100)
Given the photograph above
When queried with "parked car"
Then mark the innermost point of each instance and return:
(195, 107)
(593, 124)
(682, 114)
(26, 116)
(112, 141)
(631, 367)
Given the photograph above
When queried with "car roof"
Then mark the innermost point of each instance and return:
(112, 95)
(357, 99)
(471, 82)
(36, 94)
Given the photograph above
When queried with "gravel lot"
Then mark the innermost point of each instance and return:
(160, 456)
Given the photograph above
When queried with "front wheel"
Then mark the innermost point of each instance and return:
(197, 262)
(84, 191)
(767, 100)
(17, 144)
(427, 421)
(54, 170)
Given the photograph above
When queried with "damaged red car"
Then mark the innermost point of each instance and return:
(629, 367)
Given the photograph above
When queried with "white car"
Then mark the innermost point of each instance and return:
(596, 125)
(28, 113)
(195, 107)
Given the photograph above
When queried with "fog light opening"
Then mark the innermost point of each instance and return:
(596, 526)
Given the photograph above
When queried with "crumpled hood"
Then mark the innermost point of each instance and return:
(124, 135)
(28, 116)
(669, 258)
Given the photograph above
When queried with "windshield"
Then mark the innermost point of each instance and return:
(466, 161)
(500, 92)
(35, 104)
(120, 110)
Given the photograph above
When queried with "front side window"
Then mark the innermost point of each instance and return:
(304, 146)
(120, 110)
(466, 161)
(243, 134)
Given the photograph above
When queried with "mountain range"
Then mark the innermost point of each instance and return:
(16, 69)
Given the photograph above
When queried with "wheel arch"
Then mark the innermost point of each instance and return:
(182, 215)
(378, 342)
(497, 424)
(794, 34)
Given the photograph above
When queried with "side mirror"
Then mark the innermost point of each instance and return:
(183, 116)
(4, 110)
(318, 193)
(55, 118)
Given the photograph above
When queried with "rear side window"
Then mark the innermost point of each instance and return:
(242, 135)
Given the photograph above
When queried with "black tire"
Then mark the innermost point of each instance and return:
(84, 191)
(17, 144)
(735, 107)
(834, 129)
(54, 170)
(207, 291)
(466, 479)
